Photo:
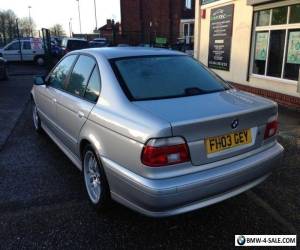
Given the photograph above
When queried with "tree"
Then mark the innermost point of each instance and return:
(57, 30)
(27, 27)
(7, 25)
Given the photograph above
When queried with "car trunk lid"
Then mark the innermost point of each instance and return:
(198, 118)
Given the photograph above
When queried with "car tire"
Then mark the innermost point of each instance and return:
(40, 60)
(95, 181)
(36, 118)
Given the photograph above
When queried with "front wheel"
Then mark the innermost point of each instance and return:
(95, 180)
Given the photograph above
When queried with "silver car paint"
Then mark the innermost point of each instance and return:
(118, 130)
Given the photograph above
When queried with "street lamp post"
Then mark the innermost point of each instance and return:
(79, 16)
(30, 23)
(95, 14)
(70, 27)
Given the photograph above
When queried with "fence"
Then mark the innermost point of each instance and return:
(153, 39)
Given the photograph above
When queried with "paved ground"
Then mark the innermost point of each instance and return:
(14, 95)
(43, 205)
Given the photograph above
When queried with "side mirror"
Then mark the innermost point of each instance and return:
(39, 80)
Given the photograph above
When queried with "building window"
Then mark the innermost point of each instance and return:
(186, 29)
(295, 14)
(276, 51)
(188, 4)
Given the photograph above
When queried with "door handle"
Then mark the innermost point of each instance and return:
(80, 114)
(54, 100)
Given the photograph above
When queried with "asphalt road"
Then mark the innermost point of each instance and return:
(43, 203)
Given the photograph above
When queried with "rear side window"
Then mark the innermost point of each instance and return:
(159, 77)
(26, 45)
(80, 75)
(93, 89)
(61, 71)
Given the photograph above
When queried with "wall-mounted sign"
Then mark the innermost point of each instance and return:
(261, 46)
(220, 37)
(203, 2)
(294, 48)
(161, 40)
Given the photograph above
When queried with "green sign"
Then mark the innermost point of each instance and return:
(261, 46)
(161, 40)
(203, 2)
(294, 48)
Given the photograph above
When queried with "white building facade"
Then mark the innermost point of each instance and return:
(255, 43)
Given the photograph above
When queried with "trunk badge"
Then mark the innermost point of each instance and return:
(235, 124)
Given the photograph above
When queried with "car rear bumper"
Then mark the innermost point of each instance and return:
(166, 197)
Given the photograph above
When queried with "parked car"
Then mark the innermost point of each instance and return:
(154, 129)
(30, 49)
(3, 69)
(56, 40)
(99, 43)
(56, 50)
(70, 44)
(123, 45)
(101, 40)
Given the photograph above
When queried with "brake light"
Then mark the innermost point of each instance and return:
(165, 151)
(271, 128)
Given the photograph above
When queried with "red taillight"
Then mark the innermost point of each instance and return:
(164, 152)
(65, 51)
(271, 128)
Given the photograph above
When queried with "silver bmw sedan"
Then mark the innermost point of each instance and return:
(154, 129)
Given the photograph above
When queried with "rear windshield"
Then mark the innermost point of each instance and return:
(76, 44)
(160, 77)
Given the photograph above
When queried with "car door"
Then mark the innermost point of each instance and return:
(11, 52)
(72, 106)
(27, 51)
(47, 95)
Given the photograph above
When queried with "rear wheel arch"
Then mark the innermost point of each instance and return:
(83, 144)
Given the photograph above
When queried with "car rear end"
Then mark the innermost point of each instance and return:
(69, 45)
(223, 141)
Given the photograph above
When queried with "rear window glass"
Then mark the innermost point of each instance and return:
(159, 77)
(77, 44)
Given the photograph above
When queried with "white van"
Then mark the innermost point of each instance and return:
(31, 50)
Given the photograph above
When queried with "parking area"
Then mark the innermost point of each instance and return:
(43, 204)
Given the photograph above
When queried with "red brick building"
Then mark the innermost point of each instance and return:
(143, 20)
(111, 31)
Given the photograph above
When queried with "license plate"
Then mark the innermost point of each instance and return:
(223, 142)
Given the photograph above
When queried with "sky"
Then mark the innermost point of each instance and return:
(46, 13)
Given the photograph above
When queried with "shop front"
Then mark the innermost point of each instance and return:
(254, 43)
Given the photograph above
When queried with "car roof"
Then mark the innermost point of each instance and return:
(74, 39)
(118, 52)
(23, 40)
